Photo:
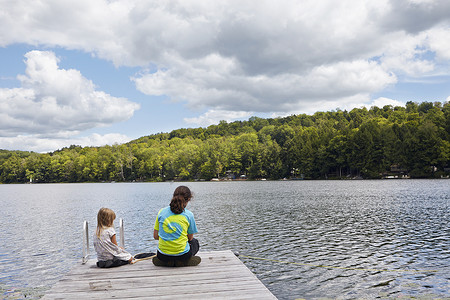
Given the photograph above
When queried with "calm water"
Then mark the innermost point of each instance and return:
(353, 227)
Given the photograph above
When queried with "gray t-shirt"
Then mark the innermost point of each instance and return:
(107, 250)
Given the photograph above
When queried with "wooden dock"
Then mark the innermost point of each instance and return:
(220, 275)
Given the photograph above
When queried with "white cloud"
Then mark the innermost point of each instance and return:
(439, 42)
(54, 101)
(343, 103)
(414, 16)
(407, 55)
(263, 56)
(382, 101)
(294, 56)
(41, 144)
(212, 117)
(218, 82)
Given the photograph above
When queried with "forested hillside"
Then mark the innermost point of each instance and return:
(413, 140)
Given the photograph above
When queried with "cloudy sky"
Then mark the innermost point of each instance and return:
(96, 72)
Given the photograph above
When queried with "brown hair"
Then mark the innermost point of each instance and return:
(181, 197)
(105, 219)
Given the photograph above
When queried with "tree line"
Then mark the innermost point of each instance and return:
(411, 140)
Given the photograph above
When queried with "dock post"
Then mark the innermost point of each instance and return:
(85, 243)
(122, 234)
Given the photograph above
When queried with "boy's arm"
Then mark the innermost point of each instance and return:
(155, 234)
(190, 236)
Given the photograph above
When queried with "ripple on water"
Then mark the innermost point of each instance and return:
(339, 232)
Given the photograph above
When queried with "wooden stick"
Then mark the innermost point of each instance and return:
(139, 259)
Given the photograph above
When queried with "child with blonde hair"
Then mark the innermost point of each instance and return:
(109, 254)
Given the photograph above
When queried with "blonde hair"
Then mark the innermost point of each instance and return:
(105, 219)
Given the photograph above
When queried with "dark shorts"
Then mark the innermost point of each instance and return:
(112, 263)
(195, 246)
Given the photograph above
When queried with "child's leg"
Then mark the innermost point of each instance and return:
(111, 263)
(166, 259)
(190, 259)
(195, 246)
(119, 262)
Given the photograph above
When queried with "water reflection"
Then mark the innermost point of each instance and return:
(384, 225)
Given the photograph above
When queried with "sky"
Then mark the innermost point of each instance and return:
(98, 72)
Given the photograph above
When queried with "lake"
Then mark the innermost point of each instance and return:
(303, 239)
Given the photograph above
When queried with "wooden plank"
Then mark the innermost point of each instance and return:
(207, 261)
(156, 272)
(250, 293)
(173, 281)
(220, 275)
(131, 291)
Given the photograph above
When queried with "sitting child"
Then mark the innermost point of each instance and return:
(109, 254)
(174, 229)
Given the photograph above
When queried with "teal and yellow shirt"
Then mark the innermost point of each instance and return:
(173, 230)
